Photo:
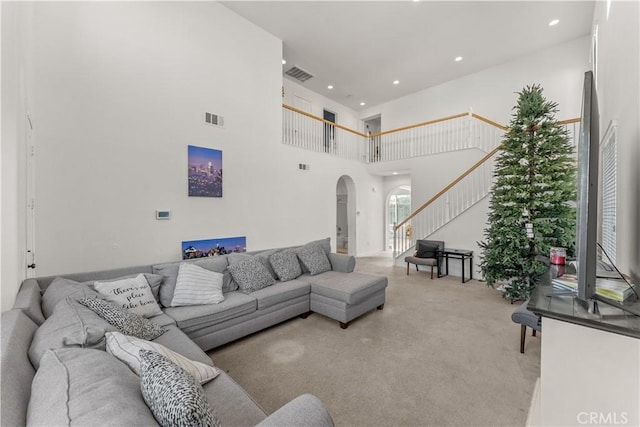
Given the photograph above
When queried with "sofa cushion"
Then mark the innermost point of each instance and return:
(174, 396)
(86, 388)
(70, 325)
(175, 339)
(62, 288)
(126, 321)
(285, 264)
(16, 372)
(197, 285)
(169, 271)
(236, 408)
(131, 293)
(235, 304)
(280, 292)
(351, 288)
(264, 257)
(127, 349)
(314, 258)
(250, 274)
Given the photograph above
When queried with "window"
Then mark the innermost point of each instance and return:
(608, 200)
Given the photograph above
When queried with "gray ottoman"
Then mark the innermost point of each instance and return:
(345, 296)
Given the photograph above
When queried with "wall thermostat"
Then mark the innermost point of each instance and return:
(163, 214)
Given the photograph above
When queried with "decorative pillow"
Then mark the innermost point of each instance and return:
(174, 397)
(133, 294)
(62, 288)
(286, 265)
(264, 257)
(70, 325)
(127, 349)
(83, 387)
(314, 259)
(196, 285)
(170, 273)
(426, 249)
(129, 323)
(250, 274)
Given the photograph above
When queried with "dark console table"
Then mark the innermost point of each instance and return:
(460, 254)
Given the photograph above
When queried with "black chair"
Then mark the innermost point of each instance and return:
(429, 253)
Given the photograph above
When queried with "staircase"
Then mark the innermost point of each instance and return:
(452, 133)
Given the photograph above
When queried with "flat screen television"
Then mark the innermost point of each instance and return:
(587, 208)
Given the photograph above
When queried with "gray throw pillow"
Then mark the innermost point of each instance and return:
(170, 270)
(314, 258)
(250, 274)
(174, 397)
(425, 249)
(286, 265)
(62, 288)
(127, 322)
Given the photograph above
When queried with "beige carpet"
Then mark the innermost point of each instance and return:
(441, 353)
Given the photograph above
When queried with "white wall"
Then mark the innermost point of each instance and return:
(16, 22)
(120, 90)
(618, 77)
(344, 115)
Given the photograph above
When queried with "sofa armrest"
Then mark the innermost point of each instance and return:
(342, 262)
(29, 300)
(305, 410)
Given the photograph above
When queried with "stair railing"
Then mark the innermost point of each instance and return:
(462, 193)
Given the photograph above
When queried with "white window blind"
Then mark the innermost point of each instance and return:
(609, 174)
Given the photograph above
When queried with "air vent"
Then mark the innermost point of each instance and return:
(298, 74)
(214, 119)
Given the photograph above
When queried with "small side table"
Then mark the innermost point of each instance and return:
(460, 254)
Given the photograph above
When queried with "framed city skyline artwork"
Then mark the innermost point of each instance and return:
(205, 172)
(213, 247)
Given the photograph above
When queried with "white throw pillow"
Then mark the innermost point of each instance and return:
(127, 349)
(196, 285)
(133, 293)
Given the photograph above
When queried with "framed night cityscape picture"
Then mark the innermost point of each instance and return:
(205, 172)
(213, 247)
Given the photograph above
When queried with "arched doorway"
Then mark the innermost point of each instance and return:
(398, 209)
(345, 215)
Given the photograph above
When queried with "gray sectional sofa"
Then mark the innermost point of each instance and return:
(55, 370)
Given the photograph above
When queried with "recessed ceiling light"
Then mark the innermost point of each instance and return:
(363, 103)
(330, 87)
(284, 61)
(394, 173)
(396, 82)
(458, 58)
(554, 22)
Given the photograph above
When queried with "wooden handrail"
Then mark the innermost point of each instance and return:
(471, 169)
(491, 122)
(451, 184)
(304, 113)
(430, 122)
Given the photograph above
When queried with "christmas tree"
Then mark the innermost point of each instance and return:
(532, 198)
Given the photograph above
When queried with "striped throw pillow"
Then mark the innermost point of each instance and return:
(127, 349)
(196, 285)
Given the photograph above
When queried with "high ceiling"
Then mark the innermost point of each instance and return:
(361, 47)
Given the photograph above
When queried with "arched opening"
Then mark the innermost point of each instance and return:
(345, 215)
(398, 209)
